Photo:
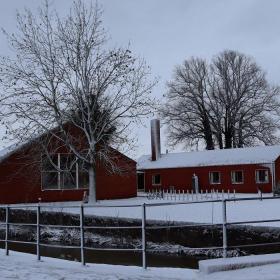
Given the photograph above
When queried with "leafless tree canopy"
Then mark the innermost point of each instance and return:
(64, 78)
(226, 104)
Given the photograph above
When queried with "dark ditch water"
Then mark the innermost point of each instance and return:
(108, 257)
(172, 247)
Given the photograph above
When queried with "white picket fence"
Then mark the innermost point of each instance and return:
(182, 195)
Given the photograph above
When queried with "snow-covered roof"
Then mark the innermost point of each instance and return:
(252, 155)
(4, 153)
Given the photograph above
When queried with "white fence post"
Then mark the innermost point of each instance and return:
(144, 264)
(224, 209)
(38, 234)
(82, 242)
(7, 231)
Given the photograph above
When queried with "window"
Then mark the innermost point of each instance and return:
(215, 177)
(50, 176)
(50, 180)
(237, 177)
(63, 171)
(156, 179)
(68, 174)
(262, 176)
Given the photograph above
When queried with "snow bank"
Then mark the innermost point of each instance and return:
(252, 155)
(215, 265)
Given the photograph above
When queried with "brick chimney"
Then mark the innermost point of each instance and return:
(155, 139)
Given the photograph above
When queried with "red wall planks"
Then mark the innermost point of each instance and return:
(20, 183)
(181, 178)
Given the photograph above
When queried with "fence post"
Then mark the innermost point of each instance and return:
(144, 264)
(224, 209)
(82, 242)
(38, 233)
(7, 231)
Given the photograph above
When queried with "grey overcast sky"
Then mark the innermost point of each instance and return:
(166, 32)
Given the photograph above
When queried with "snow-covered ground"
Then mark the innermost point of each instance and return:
(199, 213)
(237, 211)
(25, 267)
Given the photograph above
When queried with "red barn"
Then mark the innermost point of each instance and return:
(245, 170)
(22, 182)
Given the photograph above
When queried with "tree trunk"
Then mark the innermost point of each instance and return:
(92, 185)
(240, 134)
(208, 135)
(220, 140)
(228, 139)
(228, 133)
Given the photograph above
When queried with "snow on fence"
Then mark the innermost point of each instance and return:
(143, 227)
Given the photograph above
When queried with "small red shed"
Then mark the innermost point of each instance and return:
(21, 182)
(245, 170)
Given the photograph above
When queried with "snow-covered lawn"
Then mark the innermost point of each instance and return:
(199, 213)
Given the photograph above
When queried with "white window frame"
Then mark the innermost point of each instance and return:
(153, 179)
(257, 176)
(210, 177)
(233, 177)
(59, 180)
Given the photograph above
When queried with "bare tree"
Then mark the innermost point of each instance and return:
(66, 84)
(226, 104)
(187, 110)
(246, 103)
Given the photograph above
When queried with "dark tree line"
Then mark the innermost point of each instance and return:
(227, 103)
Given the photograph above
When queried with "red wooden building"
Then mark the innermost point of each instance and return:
(21, 181)
(245, 170)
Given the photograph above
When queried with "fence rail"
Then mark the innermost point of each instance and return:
(143, 227)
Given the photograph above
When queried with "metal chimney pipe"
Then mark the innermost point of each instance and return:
(155, 139)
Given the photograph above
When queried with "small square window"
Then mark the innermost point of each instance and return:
(156, 179)
(215, 177)
(262, 176)
(237, 177)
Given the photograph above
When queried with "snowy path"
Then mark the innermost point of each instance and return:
(25, 267)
